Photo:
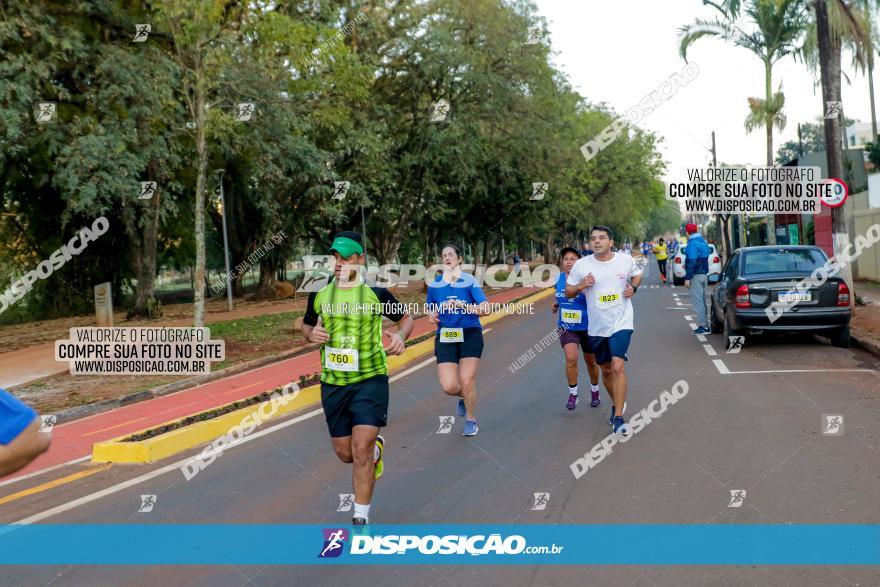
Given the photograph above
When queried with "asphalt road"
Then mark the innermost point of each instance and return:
(750, 421)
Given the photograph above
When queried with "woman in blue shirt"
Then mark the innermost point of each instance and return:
(455, 303)
(573, 322)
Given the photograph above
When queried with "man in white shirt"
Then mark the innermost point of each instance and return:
(608, 280)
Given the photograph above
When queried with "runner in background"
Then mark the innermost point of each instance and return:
(661, 254)
(345, 318)
(21, 440)
(455, 302)
(646, 248)
(574, 340)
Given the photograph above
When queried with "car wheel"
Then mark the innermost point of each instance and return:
(715, 324)
(840, 337)
(729, 331)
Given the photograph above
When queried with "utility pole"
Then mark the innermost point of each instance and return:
(225, 244)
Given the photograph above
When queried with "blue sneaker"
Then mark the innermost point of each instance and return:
(611, 419)
(702, 330)
(470, 428)
(620, 426)
(462, 411)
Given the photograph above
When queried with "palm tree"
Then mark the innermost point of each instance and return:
(775, 28)
(830, 36)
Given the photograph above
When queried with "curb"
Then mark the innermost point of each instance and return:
(150, 450)
(865, 344)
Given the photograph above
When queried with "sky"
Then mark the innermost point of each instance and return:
(618, 52)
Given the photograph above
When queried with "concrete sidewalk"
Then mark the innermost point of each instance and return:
(866, 319)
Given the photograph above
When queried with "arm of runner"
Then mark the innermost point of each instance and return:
(396, 312)
(481, 306)
(577, 282)
(312, 328)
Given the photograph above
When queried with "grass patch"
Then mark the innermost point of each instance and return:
(257, 330)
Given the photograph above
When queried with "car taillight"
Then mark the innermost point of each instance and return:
(678, 259)
(742, 297)
(716, 259)
(842, 295)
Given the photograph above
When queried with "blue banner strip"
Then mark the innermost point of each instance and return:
(523, 544)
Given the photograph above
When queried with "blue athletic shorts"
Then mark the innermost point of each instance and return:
(616, 345)
(452, 352)
(15, 416)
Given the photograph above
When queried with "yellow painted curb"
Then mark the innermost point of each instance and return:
(170, 443)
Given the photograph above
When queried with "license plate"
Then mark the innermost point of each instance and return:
(795, 296)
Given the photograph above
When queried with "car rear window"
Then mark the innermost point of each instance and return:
(783, 261)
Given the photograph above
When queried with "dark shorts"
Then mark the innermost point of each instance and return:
(576, 337)
(361, 403)
(616, 345)
(15, 416)
(451, 352)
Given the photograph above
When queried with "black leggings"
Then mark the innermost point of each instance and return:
(662, 265)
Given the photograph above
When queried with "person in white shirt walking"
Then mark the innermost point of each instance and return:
(608, 280)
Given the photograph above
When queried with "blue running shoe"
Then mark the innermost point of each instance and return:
(620, 427)
(470, 428)
(611, 419)
(462, 411)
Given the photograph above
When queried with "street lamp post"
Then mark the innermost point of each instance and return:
(225, 243)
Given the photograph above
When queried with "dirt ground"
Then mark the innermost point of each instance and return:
(866, 320)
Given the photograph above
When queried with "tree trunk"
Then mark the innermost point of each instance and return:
(871, 96)
(143, 240)
(829, 64)
(201, 178)
(548, 249)
(264, 288)
(768, 90)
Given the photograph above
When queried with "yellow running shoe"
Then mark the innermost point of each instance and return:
(380, 448)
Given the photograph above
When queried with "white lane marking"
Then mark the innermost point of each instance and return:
(692, 325)
(722, 368)
(176, 466)
(688, 318)
(46, 470)
(676, 308)
(708, 347)
(701, 338)
(805, 371)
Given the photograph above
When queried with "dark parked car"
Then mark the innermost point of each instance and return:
(755, 277)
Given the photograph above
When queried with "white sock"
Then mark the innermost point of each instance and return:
(362, 511)
(376, 454)
(573, 390)
(594, 387)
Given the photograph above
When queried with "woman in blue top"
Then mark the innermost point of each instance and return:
(455, 303)
(573, 319)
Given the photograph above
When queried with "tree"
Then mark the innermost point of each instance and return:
(778, 25)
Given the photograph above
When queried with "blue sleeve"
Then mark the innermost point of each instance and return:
(477, 294)
(430, 298)
(690, 262)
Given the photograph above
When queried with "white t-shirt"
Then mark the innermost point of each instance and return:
(607, 310)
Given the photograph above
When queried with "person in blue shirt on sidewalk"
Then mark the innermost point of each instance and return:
(696, 275)
(455, 303)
